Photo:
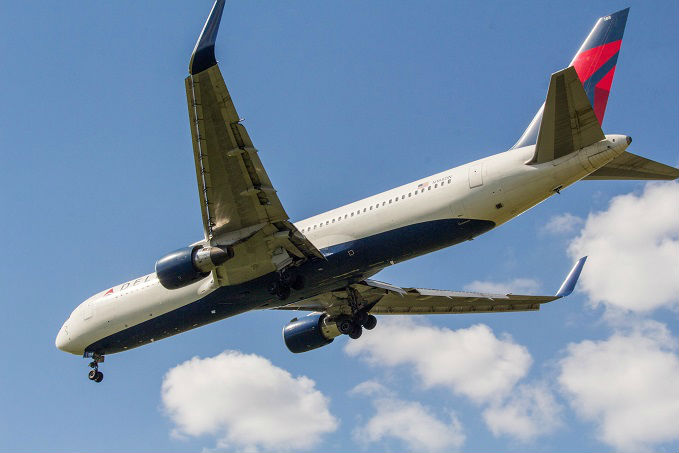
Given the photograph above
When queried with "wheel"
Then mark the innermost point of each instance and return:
(283, 292)
(356, 333)
(92, 375)
(297, 283)
(345, 326)
(360, 317)
(274, 287)
(370, 322)
(99, 376)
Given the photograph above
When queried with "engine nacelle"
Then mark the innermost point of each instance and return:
(309, 332)
(190, 264)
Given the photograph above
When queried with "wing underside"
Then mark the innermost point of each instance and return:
(386, 299)
(411, 301)
(239, 205)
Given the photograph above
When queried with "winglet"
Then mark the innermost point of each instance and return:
(203, 56)
(568, 285)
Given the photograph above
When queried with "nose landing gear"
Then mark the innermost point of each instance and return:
(94, 374)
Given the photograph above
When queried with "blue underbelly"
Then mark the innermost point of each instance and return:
(345, 263)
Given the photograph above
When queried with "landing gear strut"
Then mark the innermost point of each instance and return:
(353, 325)
(94, 374)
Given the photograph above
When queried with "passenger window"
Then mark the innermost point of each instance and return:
(449, 181)
(416, 192)
(327, 222)
(390, 201)
(436, 186)
(383, 203)
(371, 207)
(352, 214)
(429, 188)
(333, 220)
(345, 216)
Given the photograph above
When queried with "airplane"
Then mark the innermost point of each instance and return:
(252, 257)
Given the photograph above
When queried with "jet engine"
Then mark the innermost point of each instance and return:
(190, 264)
(309, 332)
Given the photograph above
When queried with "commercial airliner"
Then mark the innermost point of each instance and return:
(252, 257)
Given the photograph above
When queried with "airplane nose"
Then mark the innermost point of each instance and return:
(62, 339)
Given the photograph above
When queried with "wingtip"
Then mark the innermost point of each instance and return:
(569, 283)
(203, 56)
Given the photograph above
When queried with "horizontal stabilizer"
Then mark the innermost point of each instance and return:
(631, 166)
(568, 120)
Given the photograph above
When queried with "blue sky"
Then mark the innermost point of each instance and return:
(344, 100)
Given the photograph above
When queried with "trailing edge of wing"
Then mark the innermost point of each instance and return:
(203, 56)
(568, 120)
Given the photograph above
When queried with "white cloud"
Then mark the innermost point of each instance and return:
(563, 224)
(516, 286)
(472, 362)
(531, 411)
(407, 421)
(246, 403)
(633, 250)
(628, 385)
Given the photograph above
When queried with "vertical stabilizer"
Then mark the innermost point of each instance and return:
(595, 64)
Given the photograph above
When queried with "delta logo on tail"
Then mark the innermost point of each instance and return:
(595, 61)
(595, 65)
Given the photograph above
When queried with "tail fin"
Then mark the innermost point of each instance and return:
(595, 64)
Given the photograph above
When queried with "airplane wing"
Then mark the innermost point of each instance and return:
(239, 204)
(568, 120)
(386, 299)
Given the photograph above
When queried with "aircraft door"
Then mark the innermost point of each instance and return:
(475, 176)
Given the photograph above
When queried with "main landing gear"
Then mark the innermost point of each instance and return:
(94, 374)
(286, 282)
(354, 325)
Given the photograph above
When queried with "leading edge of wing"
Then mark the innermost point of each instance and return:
(203, 56)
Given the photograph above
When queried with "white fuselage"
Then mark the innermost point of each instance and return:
(496, 189)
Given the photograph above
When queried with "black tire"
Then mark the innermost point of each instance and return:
(92, 375)
(99, 376)
(283, 292)
(356, 333)
(345, 326)
(274, 287)
(370, 322)
(297, 283)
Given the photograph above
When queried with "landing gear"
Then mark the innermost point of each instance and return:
(94, 374)
(370, 322)
(287, 281)
(353, 326)
(280, 289)
(356, 332)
